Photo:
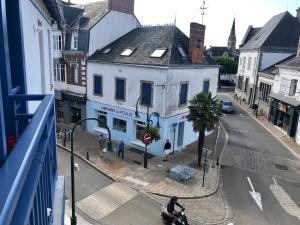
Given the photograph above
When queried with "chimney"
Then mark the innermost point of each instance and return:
(196, 43)
(124, 6)
(298, 50)
(298, 14)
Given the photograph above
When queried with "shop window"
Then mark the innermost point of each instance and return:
(206, 86)
(183, 93)
(120, 89)
(102, 116)
(140, 130)
(146, 92)
(119, 125)
(98, 84)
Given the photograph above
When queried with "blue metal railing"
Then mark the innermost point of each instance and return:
(28, 176)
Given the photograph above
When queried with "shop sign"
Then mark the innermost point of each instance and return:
(117, 111)
(282, 107)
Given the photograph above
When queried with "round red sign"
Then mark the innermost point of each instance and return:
(147, 138)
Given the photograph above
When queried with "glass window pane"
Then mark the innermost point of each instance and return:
(97, 85)
(119, 125)
(101, 115)
(183, 94)
(146, 93)
(140, 131)
(120, 89)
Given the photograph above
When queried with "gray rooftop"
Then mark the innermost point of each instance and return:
(143, 41)
(292, 63)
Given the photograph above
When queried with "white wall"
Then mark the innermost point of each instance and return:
(250, 73)
(33, 65)
(69, 87)
(109, 28)
(268, 59)
(165, 89)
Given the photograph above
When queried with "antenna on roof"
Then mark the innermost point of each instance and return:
(203, 8)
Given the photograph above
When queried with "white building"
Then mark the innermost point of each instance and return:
(162, 67)
(86, 28)
(262, 48)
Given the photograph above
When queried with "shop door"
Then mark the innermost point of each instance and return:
(180, 134)
(76, 114)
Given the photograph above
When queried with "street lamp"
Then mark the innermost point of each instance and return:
(148, 123)
(109, 148)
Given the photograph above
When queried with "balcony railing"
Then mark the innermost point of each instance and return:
(30, 191)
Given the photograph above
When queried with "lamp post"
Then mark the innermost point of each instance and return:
(109, 148)
(148, 124)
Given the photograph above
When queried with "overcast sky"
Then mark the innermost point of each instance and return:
(218, 18)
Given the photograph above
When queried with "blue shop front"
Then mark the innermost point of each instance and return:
(123, 125)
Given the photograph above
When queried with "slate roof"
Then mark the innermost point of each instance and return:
(53, 9)
(292, 63)
(218, 51)
(85, 16)
(144, 40)
(251, 31)
(280, 32)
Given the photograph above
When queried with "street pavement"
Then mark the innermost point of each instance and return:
(254, 160)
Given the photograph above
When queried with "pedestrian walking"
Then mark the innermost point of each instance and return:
(121, 149)
(167, 150)
(102, 144)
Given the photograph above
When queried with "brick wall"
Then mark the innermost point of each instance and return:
(196, 43)
(125, 6)
(81, 61)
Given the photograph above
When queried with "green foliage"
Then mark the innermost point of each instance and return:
(154, 132)
(228, 65)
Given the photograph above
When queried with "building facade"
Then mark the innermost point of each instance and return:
(160, 67)
(86, 28)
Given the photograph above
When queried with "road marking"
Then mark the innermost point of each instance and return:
(285, 200)
(242, 115)
(246, 131)
(255, 195)
(274, 181)
(136, 181)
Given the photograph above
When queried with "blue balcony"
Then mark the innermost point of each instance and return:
(30, 190)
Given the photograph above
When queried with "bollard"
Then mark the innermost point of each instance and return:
(87, 156)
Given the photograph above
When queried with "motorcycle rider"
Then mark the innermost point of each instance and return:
(171, 208)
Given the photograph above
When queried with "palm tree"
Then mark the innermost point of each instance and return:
(205, 112)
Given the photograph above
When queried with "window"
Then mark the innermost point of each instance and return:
(206, 86)
(98, 85)
(102, 116)
(285, 86)
(264, 91)
(140, 130)
(249, 63)
(183, 93)
(60, 105)
(158, 53)
(127, 52)
(146, 92)
(182, 52)
(246, 85)
(240, 82)
(120, 89)
(60, 72)
(241, 61)
(57, 42)
(74, 73)
(244, 62)
(293, 87)
(119, 125)
(75, 40)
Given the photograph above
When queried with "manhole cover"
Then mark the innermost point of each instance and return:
(137, 162)
(281, 167)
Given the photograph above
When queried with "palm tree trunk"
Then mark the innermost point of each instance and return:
(200, 145)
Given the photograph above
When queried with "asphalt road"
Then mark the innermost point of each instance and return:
(138, 210)
(253, 153)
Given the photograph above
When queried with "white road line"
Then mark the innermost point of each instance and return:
(247, 131)
(242, 115)
(255, 195)
(136, 181)
(274, 181)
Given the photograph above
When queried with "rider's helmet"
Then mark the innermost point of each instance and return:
(173, 198)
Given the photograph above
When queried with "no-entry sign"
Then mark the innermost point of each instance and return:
(147, 138)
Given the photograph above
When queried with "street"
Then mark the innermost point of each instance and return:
(261, 177)
(90, 183)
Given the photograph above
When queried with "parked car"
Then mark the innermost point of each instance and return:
(227, 106)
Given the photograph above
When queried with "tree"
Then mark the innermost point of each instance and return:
(228, 65)
(205, 112)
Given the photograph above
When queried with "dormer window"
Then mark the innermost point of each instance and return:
(158, 53)
(106, 50)
(127, 52)
(182, 52)
(74, 40)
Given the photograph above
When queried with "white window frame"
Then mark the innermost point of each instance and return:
(57, 42)
(75, 40)
(76, 75)
(57, 72)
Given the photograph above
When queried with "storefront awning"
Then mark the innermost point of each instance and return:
(285, 99)
(68, 95)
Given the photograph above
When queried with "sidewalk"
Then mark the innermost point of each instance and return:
(283, 138)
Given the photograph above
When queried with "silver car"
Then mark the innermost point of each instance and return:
(227, 106)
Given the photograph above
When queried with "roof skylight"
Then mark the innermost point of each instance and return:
(127, 52)
(182, 52)
(106, 50)
(158, 53)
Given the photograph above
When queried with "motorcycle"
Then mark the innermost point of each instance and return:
(168, 218)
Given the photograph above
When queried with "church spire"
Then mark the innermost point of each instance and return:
(232, 38)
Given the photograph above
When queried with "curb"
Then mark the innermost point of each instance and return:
(87, 161)
(260, 123)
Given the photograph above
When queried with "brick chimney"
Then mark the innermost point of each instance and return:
(298, 14)
(196, 43)
(124, 6)
(298, 50)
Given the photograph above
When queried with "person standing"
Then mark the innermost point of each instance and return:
(167, 150)
(121, 148)
(101, 144)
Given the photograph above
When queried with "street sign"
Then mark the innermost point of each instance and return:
(147, 138)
